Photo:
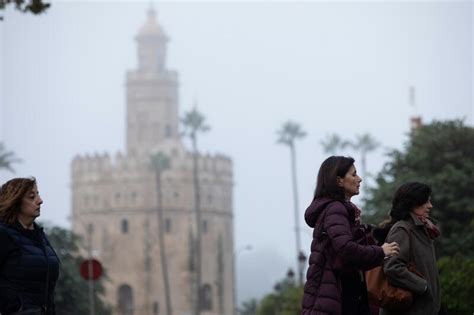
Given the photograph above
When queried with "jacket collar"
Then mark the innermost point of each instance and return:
(415, 219)
(38, 230)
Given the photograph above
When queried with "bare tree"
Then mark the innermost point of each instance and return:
(194, 123)
(287, 135)
(160, 163)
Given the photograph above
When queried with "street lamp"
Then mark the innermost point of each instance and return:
(302, 264)
(236, 255)
(277, 287)
(290, 275)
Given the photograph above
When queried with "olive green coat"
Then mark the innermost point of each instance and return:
(415, 246)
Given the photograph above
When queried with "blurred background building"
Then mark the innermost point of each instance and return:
(114, 200)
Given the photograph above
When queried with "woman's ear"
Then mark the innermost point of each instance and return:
(339, 181)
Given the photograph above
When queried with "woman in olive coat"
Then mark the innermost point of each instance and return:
(415, 233)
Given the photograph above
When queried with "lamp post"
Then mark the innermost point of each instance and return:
(302, 263)
(236, 255)
(290, 275)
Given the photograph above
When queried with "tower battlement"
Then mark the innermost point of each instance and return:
(98, 165)
(102, 163)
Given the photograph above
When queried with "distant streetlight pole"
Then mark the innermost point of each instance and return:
(302, 263)
(236, 255)
(290, 275)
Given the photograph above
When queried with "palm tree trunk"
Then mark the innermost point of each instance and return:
(147, 266)
(220, 274)
(161, 240)
(364, 169)
(192, 267)
(197, 201)
(296, 208)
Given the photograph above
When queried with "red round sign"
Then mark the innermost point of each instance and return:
(95, 267)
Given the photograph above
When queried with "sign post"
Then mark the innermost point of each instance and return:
(91, 270)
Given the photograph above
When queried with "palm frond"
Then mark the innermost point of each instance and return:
(289, 132)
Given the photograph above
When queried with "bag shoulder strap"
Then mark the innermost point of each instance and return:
(322, 220)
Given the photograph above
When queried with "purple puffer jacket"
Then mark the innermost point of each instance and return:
(341, 250)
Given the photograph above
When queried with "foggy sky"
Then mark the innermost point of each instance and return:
(340, 67)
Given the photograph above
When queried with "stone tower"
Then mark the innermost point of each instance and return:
(114, 201)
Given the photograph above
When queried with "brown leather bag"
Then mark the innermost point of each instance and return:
(384, 295)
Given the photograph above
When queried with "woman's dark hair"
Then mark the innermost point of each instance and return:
(408, 196)
(11, 195)
(331, 168)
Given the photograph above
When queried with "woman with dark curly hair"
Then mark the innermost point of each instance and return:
(340, 250)
(29, 267)
(415, 231)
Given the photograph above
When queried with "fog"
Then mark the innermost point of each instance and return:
(334, 67)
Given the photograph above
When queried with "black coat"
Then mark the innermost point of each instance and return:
(26, 261)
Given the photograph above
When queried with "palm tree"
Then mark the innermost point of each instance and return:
(289, 132)
(160, 163)
(192, 267)
(364, 144)
(7, 158)
(220, 274)
(333, 144)
(194, 123)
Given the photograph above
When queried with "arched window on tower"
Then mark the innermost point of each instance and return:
(155, 130)
(168, 225)
(156, 308)
(90, 228)
(204, 226)
(206, 298)
(124, 226)
(125, 300)
(168, 131)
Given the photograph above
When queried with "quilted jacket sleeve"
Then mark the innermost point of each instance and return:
(339, 231)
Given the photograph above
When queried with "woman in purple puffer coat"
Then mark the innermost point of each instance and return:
(340, 251)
